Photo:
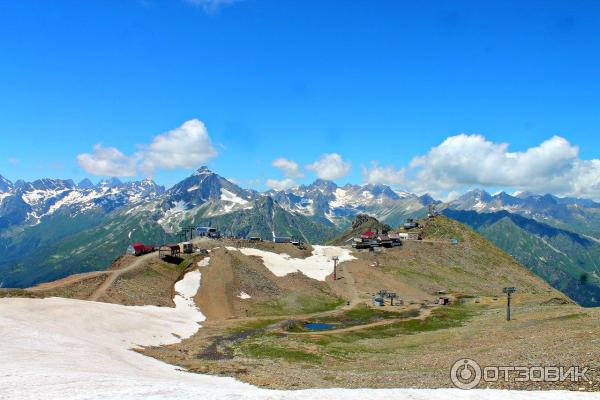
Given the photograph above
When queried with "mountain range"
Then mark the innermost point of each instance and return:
(51, 228)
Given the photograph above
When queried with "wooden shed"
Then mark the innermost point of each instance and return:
(172, 250)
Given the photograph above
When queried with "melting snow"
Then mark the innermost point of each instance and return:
(318, 266)
(244, 295)
(204, 262)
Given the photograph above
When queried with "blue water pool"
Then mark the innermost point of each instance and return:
(319, 327)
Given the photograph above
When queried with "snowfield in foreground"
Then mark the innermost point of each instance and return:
(72, 349)
(318, 266)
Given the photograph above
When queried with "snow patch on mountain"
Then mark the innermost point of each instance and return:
(173, 216)
(226, 195)
(318, 266)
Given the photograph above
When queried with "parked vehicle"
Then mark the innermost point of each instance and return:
(188, 247)
(207, 231)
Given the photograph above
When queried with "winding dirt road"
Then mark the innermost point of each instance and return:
(114, 274)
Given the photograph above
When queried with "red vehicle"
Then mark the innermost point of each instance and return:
(139, 248)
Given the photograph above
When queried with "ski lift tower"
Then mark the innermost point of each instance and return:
(431, 210)
(335, 260)
(509, 291)
(191, 229)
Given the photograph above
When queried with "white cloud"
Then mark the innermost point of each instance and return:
(107, 161)
(290, 168)
(281, 184)
(383, 175)
(13, 160)
(330, 166)
(211, 6)
(185, 147)
(464, 160)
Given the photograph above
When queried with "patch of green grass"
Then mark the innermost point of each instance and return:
(312, 304)
(567, 317)
(253, 325)
(17, 293)
(359, 315)
(186, 263)
(150, 272)
(263, 347)
(440, 318)
(296, 304)
(365, 313)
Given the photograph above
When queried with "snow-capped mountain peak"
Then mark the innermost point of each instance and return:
(5, 185)
(85, 184)
(27, 203)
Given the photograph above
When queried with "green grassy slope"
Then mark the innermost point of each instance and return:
(568, 261)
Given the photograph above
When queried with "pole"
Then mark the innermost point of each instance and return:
(509, 291)
(335, 260)
(508, 313)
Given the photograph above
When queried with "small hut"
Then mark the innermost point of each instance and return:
(169, 250)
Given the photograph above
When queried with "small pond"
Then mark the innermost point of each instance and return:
(319, 326)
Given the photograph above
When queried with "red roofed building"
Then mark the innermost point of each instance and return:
(139, 248)
(368, 235)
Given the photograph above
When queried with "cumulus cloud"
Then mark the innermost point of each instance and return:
(107, 161)
(330, 166)
(464, 160)
(388, 175)
(290, 168)
(282, 184)
(185, 147)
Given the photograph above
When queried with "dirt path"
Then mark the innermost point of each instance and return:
(69, 280)
(114, 274)
(421, 317)
(215, 297)
(355, 298)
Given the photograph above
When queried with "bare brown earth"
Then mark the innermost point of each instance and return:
(231, 272)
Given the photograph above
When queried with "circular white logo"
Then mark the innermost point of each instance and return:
(465, 374)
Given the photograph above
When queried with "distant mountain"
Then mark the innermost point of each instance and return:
(85, 184)
(27, 203)
(557, 238)
(38, 219)
(337, 206)
(577, 215)
(5, 185)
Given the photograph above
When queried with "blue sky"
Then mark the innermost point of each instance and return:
(382, 81)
